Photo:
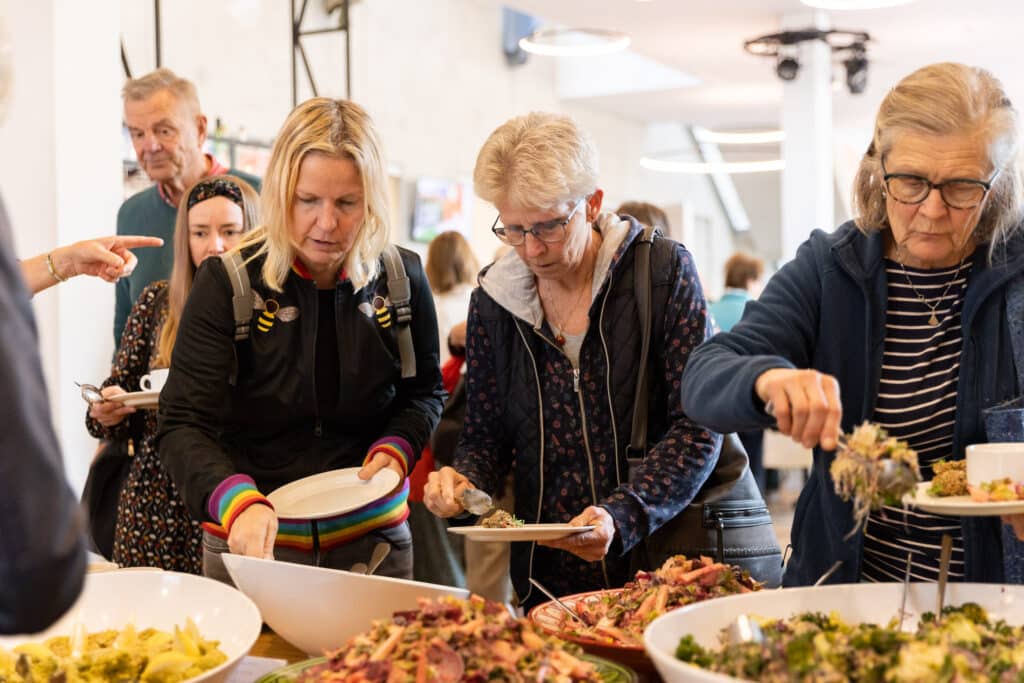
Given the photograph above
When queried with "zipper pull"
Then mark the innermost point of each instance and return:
(576, 380)
(318, 428)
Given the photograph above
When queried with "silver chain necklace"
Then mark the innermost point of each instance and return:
(933, 320)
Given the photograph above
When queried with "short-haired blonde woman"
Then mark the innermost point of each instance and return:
(153, 528)
(553, 353)
(897, 317)
(318, 381)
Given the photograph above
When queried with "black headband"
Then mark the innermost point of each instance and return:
(215, 187)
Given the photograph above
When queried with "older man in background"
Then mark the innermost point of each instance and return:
(168, 130)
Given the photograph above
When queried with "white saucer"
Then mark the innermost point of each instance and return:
(960, 506)
(138, 399)
(527, 532)
(329, 494)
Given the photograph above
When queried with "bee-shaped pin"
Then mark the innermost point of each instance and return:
(266, 319)
(382, 312)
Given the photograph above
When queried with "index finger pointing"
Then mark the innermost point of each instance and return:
(137, 241)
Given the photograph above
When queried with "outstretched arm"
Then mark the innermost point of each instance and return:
(109, 258)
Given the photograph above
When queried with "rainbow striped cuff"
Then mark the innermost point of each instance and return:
(231, 497)
(395, 446)
(386, 512)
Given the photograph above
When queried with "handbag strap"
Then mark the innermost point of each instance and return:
(642, 292)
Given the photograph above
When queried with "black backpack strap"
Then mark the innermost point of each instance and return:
(642, 292)
(400, 294)
(241, 301)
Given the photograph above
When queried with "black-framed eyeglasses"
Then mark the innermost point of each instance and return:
(551, 231)
(957, 193)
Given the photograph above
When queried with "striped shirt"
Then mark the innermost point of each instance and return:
(917, 404)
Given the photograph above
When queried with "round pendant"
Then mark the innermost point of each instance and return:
(560, 339)
(933, 321)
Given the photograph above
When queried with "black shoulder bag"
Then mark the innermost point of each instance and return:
(728, 519)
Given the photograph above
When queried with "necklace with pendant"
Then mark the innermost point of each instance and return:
(933, 319)
(559, 337)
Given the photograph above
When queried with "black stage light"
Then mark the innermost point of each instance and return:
(787, 68)
(856, 72)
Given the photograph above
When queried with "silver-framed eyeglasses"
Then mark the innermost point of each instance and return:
(957, 193)
(551, 231)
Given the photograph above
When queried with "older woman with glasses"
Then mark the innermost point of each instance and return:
(553, 349)
(898, 317)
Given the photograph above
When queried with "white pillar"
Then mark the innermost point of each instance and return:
(61, 180)
(807, 181)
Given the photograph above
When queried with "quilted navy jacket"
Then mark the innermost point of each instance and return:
(826, 310)
(565, 432)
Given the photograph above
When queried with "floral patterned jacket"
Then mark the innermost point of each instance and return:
(565, 430)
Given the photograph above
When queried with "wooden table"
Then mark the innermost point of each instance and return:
(269, 644)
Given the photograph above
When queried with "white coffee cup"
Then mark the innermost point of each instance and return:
(155, 380)
(991, 461)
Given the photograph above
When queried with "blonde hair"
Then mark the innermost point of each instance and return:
(341, 129)
(539, 161)
(450, 262)
(948, 99)
(184, 271)
(144, 87)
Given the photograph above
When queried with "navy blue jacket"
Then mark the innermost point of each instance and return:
(826, 310)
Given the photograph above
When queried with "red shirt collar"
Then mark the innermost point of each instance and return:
(213, 167)
(303, 272)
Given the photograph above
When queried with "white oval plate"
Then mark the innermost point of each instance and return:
(960, 506)
(138, 399)
(331, 493)
(528, 532)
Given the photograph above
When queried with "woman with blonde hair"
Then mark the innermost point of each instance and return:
(316, 384)
(153, 528)
(898, 317)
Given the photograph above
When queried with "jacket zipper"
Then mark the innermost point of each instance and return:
(318, 427)
(586, 436)
(608, 385)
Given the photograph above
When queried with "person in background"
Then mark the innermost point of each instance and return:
(451, 269)
(551, 365)
(153, 527)
(897, 317)
(743, 275)
(108, 258)
(168, 131)
(318, 382)
(646, 213)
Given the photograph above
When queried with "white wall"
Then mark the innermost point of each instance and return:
(61, 179)
(431, 73)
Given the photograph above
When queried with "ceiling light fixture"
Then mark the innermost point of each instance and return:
(574, 42)
(854, 4)
(764, 137)
(705, 167)
(784, 47)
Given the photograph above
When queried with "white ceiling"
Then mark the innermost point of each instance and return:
(704, 38)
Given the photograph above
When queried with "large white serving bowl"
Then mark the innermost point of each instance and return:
(318, 609)
(162, 600)
(855, 603)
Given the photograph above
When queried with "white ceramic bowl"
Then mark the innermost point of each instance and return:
(988, 461)
(855, 603)
(162, 600)
(317, 609)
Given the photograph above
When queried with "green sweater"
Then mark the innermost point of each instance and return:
(146, 213)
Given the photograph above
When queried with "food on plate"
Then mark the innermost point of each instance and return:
(148, 656)
(873, 469)
(950, 479)
(997, 491)
(620, 617)
(500, 519)
(450, 640)
(964, 646)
